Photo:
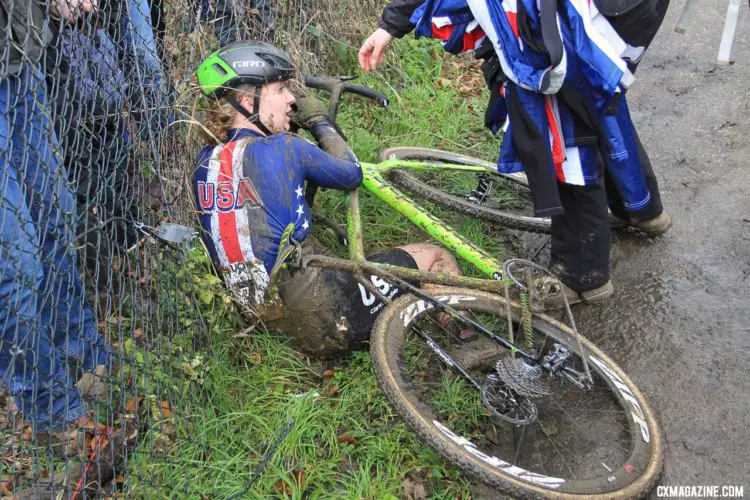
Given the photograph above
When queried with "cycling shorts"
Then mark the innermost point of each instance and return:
(330, 313)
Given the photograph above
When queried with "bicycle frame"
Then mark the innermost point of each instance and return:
(376, 183)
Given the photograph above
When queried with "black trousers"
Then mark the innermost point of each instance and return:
(581, 237)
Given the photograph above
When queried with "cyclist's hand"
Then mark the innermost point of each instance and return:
(371, 52)
(310, 110)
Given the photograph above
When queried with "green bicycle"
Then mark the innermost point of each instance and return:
(531, 407)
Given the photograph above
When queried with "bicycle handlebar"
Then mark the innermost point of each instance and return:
(329, 84)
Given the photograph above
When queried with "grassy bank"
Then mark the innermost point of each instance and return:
(346, 441)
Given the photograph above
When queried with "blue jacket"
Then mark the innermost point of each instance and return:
(590, 67)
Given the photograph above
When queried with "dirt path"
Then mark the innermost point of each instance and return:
(680, 322)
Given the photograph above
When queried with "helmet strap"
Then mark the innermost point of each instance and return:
(253, 118)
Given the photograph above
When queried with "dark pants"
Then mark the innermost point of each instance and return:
(581, 236)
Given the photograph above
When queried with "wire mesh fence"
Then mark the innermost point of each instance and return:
(104, 348)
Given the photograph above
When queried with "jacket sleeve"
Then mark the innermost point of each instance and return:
(326, 170)
(395, 18)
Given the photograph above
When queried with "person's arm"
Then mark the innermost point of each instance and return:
(396, 15)
(326, 170)
(334, 166)
(394, 23)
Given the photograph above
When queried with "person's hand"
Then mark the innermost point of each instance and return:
(371, 52)
(310, 110)
(71, 10)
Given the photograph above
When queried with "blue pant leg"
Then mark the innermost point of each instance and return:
(147, 74)
(53, 209)
(29, 364)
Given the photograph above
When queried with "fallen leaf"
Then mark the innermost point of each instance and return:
(347, 439)
(328, 373)
(299, 476)
(166, 412)
(6, 487)
(132, 405)
(98, 443)
(280, 487)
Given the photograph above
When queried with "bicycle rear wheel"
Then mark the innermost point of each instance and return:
(568, 443)
(501, 198)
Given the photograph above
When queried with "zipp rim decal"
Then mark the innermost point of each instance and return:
(523, 474)
(420, 306)
(636, 411)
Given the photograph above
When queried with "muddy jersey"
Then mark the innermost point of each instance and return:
(248, 190)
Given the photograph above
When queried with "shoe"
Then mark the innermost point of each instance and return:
(597, 294)
(594, 296)
(652, 227)
(656, 226)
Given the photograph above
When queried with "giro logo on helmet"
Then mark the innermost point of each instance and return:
(248, 64)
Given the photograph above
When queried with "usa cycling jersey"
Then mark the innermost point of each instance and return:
(249, 189)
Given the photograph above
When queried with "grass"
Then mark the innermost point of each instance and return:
(346, 441)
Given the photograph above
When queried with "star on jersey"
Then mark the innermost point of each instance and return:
(300, 211)
(298, 192)
(305, 225)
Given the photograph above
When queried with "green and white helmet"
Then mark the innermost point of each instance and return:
(238, 63)
(244, 63)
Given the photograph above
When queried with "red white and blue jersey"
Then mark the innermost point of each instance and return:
(249, 189)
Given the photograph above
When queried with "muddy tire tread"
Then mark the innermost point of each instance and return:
(506, 484)
(454, 203)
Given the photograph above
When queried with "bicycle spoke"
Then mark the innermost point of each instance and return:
(557, 450)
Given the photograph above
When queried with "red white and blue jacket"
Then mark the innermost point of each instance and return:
(591, 64)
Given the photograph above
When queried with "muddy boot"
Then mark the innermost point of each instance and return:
(656, 226)
(652, 227)
(598, 294)
(556, 301)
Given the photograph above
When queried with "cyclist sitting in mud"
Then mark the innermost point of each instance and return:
(251, 187)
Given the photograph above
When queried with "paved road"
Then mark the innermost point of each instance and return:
(680, 322)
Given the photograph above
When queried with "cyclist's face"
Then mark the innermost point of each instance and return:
(276, 107)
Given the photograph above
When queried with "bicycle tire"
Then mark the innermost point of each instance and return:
(422, 190)
(387, 342)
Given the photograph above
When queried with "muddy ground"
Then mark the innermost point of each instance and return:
(680, 321)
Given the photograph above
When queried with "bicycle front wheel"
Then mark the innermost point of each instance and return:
(500, 198)
(562, 441)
